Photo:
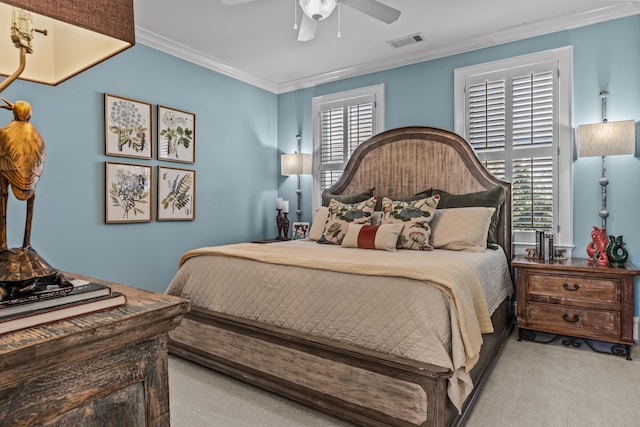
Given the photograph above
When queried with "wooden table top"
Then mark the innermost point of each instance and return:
(145, 314)
(574, 264)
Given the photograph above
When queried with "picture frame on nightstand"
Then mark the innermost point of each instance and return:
(300, 230)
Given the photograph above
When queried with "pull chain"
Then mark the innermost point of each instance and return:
(295, 15)
(339, 18)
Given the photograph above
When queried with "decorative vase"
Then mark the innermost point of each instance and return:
(603, 259)
(598, 244)
(616, 252)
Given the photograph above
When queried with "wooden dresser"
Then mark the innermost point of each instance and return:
(108, 368)
(576, 298)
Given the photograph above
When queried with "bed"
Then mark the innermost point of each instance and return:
(375, 337)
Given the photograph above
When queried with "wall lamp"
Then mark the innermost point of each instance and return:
(606, 139)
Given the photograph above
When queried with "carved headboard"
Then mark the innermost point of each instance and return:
(405, 161)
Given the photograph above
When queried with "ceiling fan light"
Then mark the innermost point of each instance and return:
(317, 9)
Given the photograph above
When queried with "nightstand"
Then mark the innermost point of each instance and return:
(576, 298)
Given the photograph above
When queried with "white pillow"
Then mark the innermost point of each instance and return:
(461, 229)
(382, 237)
(319, 219)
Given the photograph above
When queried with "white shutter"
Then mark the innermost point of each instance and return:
(532, 194)
(511, 124)
(487, 116)
(343, 126)
(360, 124)
(342, 121)
(532, 171)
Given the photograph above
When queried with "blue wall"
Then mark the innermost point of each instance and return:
(606, 57)
(241, 130)
(236, 137)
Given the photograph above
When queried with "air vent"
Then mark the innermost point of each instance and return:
(405, 41)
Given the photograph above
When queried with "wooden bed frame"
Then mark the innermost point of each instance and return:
(361, 386)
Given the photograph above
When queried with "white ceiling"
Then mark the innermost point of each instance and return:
(255, 41)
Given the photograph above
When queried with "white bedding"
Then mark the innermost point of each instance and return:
(398, 316)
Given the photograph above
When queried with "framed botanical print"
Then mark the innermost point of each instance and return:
(127, 192)
(176, 194)
(176, 135)
(127, 127)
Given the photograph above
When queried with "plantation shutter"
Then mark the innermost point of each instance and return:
(344, 125)
(512, 123)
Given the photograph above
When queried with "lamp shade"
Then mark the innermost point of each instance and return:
(295, 164)
(80, 34)
(606, 139)
(317, 9)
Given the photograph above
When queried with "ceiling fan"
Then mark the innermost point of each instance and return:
(317, 10)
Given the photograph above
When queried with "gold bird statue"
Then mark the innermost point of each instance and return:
(22, 153)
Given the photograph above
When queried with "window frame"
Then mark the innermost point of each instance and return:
(345, 98)
(563, 156)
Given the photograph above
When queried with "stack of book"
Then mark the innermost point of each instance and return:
(544, 246)
(56, 303)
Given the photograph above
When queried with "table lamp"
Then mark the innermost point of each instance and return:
(296, 164)
(62, 38)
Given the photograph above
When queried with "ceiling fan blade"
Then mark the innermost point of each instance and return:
(234, 2)
(375, 9)
(307, 29)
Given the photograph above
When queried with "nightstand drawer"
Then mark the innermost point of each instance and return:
(573, 321)
(568, 289)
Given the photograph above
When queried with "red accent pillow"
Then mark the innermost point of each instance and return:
(364, 236)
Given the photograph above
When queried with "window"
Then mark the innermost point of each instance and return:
(342, 121)
(516, 115)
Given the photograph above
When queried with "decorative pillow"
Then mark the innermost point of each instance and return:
(382, 237)
(461, 229)
(342, 215)
(347, 198)
(490, 199)
(416, 216)
(319, 220)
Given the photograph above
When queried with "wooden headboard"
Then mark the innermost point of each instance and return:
(405, 161)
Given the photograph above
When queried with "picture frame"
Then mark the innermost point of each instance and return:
(127, 127)
(128, 195)
(176, 194)
(300, 230)
(176, 135)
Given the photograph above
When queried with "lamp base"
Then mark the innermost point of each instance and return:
(23, 270)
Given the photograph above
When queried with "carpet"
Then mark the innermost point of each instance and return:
(531, 385)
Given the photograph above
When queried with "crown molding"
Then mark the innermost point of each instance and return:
(505, 35)
(194, 56)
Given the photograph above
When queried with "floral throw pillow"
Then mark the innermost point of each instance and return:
(341, 215)
(416, 216)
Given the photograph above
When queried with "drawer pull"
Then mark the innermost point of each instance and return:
(574, 288)
(566, 318)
